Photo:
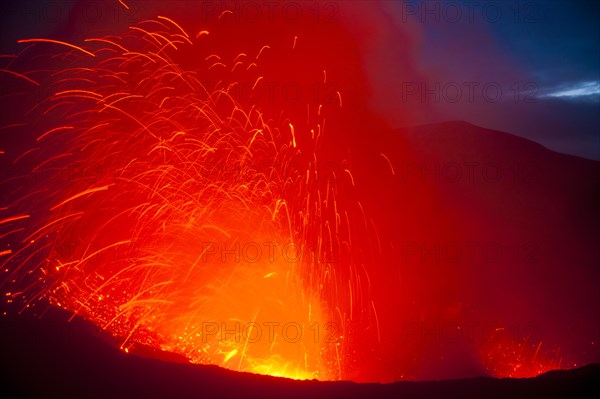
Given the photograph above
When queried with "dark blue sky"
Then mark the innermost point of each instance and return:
(544, 55)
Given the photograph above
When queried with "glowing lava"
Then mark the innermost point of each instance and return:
(183, 226)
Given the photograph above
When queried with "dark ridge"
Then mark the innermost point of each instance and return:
(52, 358)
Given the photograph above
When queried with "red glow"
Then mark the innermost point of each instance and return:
(187, 204)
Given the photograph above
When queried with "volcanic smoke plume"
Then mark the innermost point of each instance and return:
(218, 187)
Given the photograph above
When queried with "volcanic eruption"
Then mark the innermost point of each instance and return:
(222, 189)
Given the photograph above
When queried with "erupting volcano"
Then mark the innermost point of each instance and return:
(225, 193)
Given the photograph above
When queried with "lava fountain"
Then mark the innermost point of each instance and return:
(173, 216)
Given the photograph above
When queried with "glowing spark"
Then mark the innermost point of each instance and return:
(225, 12)
(217, 64)
(78, 93)
(81, 194)
(376, 321)
(236, 64)
(106, 41)
(389, 163)
(350, 174)
(175, 24)
(57, 129)
(20, 75)
(293, 136)
(256, 82)
(40, 40)
(230, 355)
(261, 50)
(13, 218)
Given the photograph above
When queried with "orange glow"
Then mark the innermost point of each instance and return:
(198, 238)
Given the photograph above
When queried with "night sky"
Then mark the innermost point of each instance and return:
(544, 55)
(531, 68)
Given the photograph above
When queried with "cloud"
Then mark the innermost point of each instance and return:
(588, 90)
